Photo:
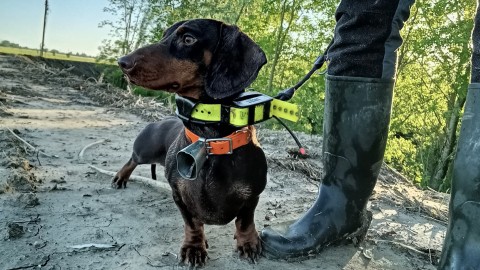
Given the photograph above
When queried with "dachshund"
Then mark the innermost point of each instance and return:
(206, 61)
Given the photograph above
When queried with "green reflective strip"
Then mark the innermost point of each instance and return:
(285, 110)
(259, 113)
(207, 112)
(239, 116)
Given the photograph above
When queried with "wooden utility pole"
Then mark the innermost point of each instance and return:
(44, 25)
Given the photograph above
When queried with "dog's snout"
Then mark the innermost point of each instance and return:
(126, 62)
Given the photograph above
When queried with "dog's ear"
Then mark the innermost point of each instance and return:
(235, 63)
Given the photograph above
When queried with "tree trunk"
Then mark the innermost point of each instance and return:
(447, 151)
(128, 21)
(279, 41)
(141, 30)
(452, 120)
(244, 4)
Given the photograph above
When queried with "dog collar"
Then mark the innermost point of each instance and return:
(247, 109)
(225, 145)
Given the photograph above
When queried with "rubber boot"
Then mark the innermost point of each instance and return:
(357, 115)
(461, 248)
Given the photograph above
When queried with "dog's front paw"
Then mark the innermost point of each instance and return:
(249, 245)
(194, 255)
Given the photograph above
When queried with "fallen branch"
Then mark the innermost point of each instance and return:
(444, 222)
(311, 170)
(44, 68)
(94, 246)
(91, 79)
(411, 248)
(147, 181)
(421, 251)
(65, 70)
(31, 146)
(80, 155)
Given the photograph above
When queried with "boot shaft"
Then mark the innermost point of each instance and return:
(461, 249)
(356, 120)
(466, 170)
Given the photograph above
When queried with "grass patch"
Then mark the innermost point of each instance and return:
(51, 55)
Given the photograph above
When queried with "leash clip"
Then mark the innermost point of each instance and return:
(208, 147)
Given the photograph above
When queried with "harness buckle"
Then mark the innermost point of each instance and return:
(208, 147)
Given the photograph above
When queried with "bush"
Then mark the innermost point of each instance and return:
(114, 75)
(400, 154)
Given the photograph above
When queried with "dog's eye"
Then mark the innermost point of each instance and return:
(189, 40)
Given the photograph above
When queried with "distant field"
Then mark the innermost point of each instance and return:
(61, 56)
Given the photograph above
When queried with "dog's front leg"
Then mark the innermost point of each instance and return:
(194, 249)
(248, 243)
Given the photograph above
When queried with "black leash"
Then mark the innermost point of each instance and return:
(288, 93)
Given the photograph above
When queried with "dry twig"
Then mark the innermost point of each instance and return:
(411, 248)
(80, 155)
(31, 146)
(144, 180)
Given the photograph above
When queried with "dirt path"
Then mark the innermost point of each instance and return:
(51, 208)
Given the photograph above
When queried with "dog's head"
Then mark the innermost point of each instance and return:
(195, 58)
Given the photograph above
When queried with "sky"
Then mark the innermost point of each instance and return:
(72, 25)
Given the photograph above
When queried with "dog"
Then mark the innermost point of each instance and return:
(150, 147)
(210, 62)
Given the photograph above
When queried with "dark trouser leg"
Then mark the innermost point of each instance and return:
(366, 38)
(461, 249)
(358, 100)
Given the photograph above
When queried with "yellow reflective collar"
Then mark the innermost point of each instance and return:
(240, 117)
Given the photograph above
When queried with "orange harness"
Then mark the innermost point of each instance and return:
(225, 145)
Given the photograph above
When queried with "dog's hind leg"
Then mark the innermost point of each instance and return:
(121, 178)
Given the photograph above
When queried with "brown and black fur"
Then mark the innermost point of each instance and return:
(209, 61)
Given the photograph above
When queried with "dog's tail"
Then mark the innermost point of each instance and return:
(153, 169)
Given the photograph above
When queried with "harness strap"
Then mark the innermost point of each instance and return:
(225, 145)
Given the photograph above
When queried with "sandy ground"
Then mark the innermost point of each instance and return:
(57, 213)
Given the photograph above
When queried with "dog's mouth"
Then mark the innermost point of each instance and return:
(168, 87)
(171, 87)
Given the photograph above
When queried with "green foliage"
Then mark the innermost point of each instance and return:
(401, 154)
(114, 75)
(129, 31)
(6, 43)
(432, 74)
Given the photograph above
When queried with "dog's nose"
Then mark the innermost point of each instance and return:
(125, 62)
